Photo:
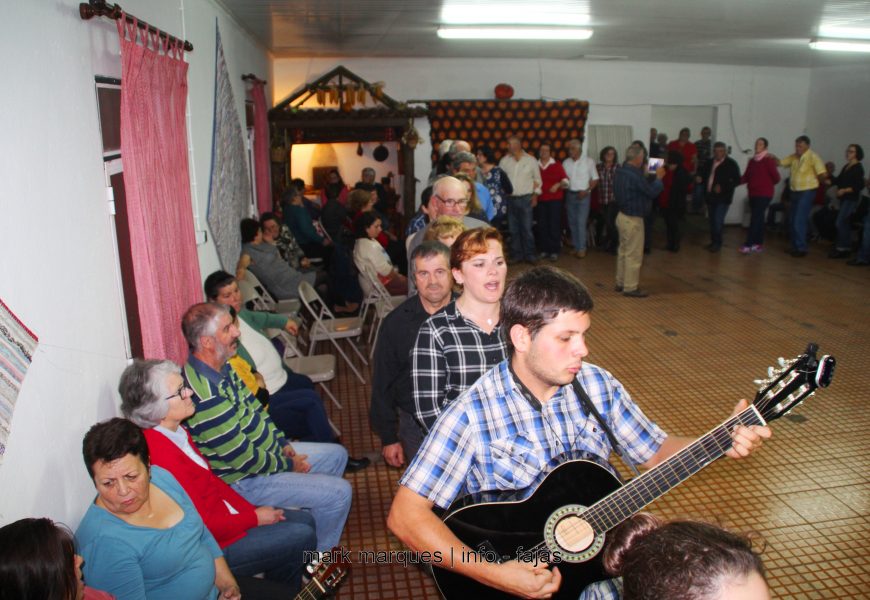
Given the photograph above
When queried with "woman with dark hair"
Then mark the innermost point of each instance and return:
(38, 562)
(264, 261)
(608, 163)
(464, 340)
(761, 176)
(672, 200)
(254, 539)
(497, 182)
(334, 189)
(142, 537)
(369, 255)
(850, 183)
(683, 560)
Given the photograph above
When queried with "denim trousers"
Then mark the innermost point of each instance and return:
(758, 207)
(578, 214)
(698, 192)
(864, 250)
(549, 226)
(323, 492)
(520, 226)
(717, 212)
(844, 224)
(799, 211)
(300, 415)
(276, 550)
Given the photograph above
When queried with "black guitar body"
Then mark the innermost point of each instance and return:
(482, 521)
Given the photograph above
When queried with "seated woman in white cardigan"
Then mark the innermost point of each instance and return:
(367, 251)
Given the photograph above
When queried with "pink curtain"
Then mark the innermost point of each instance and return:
(261, 148)
(157, 184)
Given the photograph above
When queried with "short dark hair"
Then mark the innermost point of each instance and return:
(859, 151)
(604, 152)
(428, 249)
(802, 138)
(249, 229)
(114, 439)
(680, 559)
(487, 152)
(269, 216)
(537, 297)
(299, 184)
(766, 143)
(215, 282)
(366, 220)
(37, 561)
(720, 145)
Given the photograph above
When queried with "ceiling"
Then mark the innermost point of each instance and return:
(742, 32)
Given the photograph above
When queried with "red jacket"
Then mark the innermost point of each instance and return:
(553, 174)
(206, 490)
(761, 176)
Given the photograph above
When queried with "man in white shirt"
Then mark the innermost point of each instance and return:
(522, 170)
(582, 179)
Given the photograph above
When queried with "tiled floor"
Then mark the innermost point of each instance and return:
(687, 353)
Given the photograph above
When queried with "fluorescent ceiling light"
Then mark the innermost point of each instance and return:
(840, 45)
(513, 33)
(836, 31)
(503, 13)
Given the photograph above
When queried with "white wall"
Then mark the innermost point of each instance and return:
(58, 267)
(751, 101)
(839, 112)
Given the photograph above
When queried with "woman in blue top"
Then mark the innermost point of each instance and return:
(142, 537)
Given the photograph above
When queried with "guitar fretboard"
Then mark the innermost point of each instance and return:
(631, 498)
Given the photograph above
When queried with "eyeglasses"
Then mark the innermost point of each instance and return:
(179, 392)
(453, 202)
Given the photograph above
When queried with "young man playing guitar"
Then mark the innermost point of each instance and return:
(517, 418)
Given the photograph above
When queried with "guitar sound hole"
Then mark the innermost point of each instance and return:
(574, 534)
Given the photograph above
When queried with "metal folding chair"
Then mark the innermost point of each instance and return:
(326, 327)
(255, 292)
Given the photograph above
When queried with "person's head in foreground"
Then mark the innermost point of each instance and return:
(38, 562)
(683, 560)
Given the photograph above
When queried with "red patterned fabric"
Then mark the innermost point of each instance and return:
(490, 122)
(157, 184)
(261, 148)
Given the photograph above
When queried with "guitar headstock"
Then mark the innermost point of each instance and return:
(329, 570)
(787, 385)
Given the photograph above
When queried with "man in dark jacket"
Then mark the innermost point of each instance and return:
(722, 176)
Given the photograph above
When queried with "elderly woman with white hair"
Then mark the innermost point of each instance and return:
(253, 539)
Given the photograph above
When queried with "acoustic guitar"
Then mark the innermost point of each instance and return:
(563, 517)
(326, 573)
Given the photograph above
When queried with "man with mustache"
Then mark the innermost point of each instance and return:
(392, 407)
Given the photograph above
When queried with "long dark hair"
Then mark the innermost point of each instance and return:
(688, 560)
(37, 561)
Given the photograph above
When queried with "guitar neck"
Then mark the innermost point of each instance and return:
(312, 591)
(631, 498)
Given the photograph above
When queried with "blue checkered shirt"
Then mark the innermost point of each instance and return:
(492, 438)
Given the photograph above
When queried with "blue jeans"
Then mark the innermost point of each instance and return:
(844, 224)
(698, 192)
(717, 212)
(549, 226)
(578, 214)
(322, 491)
(276, 550)
(520, 226)
(758, 206)
(300, 415)
(801, 204)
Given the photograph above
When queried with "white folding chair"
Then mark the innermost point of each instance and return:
(250, 285)
(326, 327)
(383, 304)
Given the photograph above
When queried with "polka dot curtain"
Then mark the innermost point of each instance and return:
(490, 122)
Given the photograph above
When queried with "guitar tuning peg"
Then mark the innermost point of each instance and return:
(771, 372)
(760, 382)
(781, 361)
